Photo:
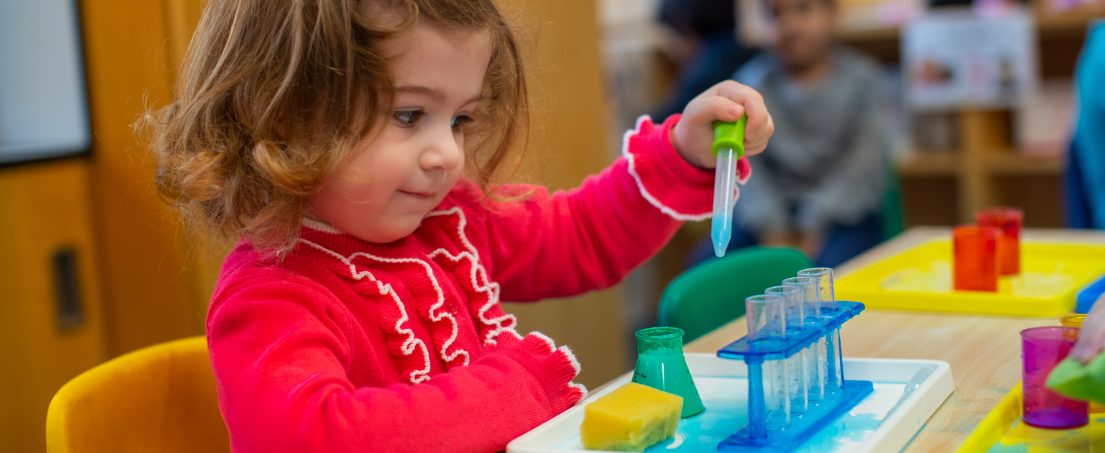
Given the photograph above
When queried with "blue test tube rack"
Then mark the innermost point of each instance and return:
(776, 434)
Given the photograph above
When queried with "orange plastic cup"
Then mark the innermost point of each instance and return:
(975, 263)
(1009, 221)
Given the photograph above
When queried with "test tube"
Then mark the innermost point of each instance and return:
(826, 295)
(797, 375)
(814, 354)
(766, 314)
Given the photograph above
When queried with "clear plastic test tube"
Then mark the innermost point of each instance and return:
(815, 356)
(797, 375)
(827, 299)
(766, 314)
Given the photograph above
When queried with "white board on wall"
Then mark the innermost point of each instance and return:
(43, 100)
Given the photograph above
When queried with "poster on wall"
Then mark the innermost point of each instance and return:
(43, 99)
(961, 59)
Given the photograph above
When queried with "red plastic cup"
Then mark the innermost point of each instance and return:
(1041, 349)
(975, 262)
(1009, 221)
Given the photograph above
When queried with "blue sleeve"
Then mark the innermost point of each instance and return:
(1089, 134)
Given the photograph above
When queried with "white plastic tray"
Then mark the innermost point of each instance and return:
(907, 392)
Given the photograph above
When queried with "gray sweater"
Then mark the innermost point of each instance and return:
(825, 164)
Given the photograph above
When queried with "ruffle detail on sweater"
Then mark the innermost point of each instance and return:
(464, 262)
(426, 300)
(664, 178)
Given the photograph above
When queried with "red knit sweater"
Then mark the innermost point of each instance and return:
(347, 346)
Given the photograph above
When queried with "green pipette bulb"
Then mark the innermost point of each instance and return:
(729, 148)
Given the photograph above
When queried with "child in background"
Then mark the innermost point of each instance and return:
(351, 146)
(822, 182)
(703, 44)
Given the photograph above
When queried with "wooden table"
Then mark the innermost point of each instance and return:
(984, 351)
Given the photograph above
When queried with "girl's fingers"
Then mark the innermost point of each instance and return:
(722, 109)
(760, 126)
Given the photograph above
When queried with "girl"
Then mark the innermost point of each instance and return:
(350, 144)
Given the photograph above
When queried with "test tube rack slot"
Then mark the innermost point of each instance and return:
(763, 433)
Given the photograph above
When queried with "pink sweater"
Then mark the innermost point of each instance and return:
(347, 346)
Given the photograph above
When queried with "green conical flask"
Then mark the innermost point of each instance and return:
(661, 365)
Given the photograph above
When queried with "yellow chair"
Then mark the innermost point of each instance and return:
(157, 399)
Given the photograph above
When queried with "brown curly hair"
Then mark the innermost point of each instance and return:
(272, 95)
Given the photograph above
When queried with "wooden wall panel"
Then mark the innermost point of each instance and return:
(151, 295)
(567, 143)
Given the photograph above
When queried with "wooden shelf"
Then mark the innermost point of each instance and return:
(1070, 23)
(1001, 163)
(929, 163)
(1013, 163)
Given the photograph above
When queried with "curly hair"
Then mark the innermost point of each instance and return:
(272, 95)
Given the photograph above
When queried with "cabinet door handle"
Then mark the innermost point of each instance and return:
(67, 289)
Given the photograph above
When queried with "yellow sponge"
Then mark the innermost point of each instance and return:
(630, 418)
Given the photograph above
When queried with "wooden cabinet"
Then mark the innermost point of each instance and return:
(51, 326)
(985, 168)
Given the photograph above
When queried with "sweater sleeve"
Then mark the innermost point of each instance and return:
(590, 237)
(762, 208)
(280, 360)
(856, 182)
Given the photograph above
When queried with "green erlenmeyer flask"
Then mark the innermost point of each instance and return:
(661, 365)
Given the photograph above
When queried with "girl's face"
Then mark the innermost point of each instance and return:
(401, 172)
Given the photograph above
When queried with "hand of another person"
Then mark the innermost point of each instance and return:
(727, 101)
(1091, 339)
(780, 239)
(811, 244)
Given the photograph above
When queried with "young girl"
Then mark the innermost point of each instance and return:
(350, 145)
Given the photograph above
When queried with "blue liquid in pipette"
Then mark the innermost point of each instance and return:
(725, 183)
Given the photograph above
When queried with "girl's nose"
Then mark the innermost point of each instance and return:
(446, 153)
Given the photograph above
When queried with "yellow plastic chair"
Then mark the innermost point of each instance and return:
(158, 399)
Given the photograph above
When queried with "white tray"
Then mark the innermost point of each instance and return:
(907, 392)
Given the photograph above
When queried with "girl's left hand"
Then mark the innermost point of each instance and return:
(727, 101)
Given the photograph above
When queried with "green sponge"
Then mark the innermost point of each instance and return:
(1082, 382)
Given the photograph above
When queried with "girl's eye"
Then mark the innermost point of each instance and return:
(460, 120)
(408, 117)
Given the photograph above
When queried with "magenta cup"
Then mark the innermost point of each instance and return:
(1042, 348)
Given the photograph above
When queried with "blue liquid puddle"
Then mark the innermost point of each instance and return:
(726, 412)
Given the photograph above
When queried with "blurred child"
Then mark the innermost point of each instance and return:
(349, 145)
(703, 44)
(821, 185)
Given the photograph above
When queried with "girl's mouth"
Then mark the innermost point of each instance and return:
(424, 195)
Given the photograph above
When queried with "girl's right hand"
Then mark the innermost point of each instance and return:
(1091, 339)
(727, 101)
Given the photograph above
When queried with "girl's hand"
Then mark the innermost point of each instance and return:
(727, 101)
(1091, 339)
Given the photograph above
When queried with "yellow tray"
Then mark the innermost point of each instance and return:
(920, 279)
(1003, 431)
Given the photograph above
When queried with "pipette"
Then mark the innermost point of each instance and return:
(729, 148)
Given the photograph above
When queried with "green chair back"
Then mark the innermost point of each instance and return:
(892, 214)
(711, 294)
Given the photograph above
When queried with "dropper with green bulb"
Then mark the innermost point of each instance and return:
(729, 148)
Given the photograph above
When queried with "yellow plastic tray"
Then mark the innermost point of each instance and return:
(1003, 431)
(920, 279)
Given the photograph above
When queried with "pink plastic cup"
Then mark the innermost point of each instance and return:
(1041, 349)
